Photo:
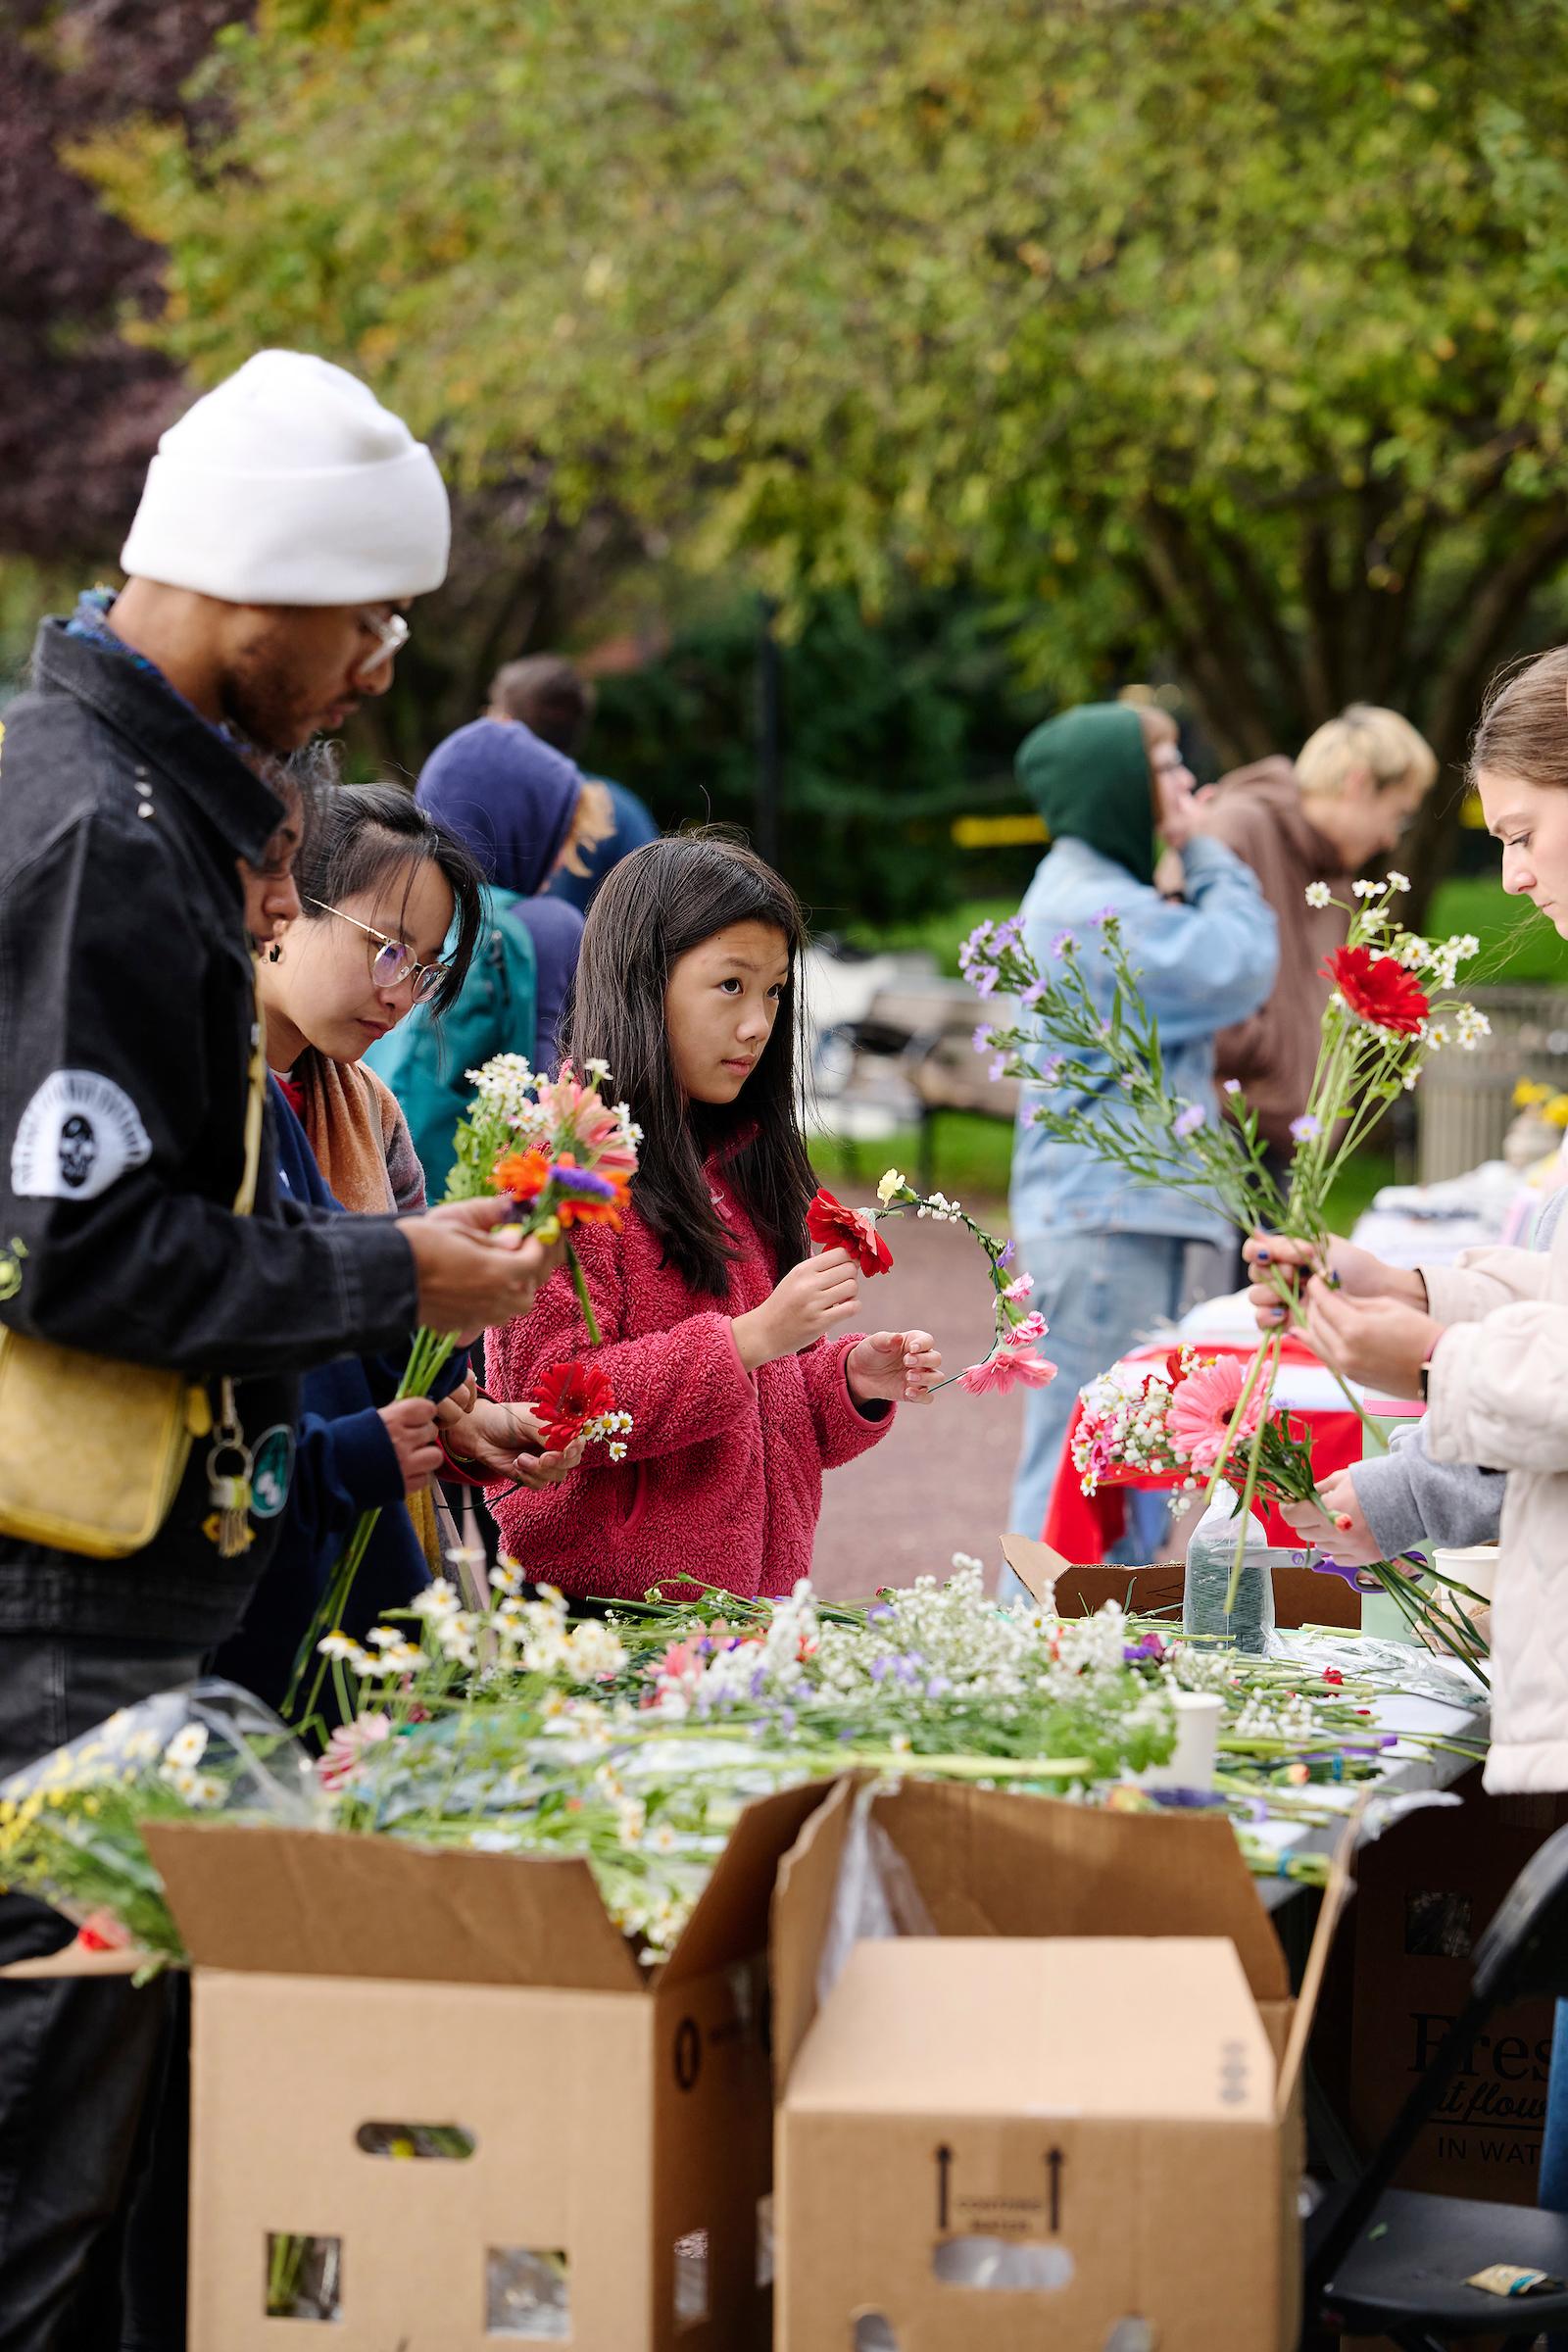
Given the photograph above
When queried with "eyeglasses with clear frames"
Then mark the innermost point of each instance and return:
(391, 632)
(393, 961)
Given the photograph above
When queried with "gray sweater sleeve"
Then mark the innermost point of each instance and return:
(1410, 1499)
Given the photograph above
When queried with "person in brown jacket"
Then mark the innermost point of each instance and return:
(1351, 791)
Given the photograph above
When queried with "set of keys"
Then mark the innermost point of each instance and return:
(228, 1483)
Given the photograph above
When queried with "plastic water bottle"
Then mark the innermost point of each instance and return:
(1210, 1564)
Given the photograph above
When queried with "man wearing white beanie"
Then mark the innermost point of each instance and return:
(286, 521)
(286, 517)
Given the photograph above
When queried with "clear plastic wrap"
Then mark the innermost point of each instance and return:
(876, 1895)
(71, 1824)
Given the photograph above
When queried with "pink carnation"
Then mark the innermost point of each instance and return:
(1202, 1411)
(1007, 1367)
(341, 1755)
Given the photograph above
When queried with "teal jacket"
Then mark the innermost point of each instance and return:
(426, 1061)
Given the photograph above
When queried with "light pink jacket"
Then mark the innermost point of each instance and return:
(1498, 1390)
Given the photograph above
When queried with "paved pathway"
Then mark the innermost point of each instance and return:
(940, 1482)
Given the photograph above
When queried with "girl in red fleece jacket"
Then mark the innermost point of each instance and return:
(718, 1329)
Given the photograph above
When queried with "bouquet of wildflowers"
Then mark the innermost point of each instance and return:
(565, 1157)
(71, 1824)
(1382, 1018)
(1102, 1053)
(1123, 1431)
(1012, 1361)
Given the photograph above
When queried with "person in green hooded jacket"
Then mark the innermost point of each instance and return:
(1113, 1258)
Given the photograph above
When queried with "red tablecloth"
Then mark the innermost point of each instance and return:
(1084, 1526)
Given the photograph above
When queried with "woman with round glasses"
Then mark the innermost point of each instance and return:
(381, 887)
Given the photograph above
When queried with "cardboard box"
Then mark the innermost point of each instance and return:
(1302, 1595)
(1427, 1890)
(605, 2136)
(1106, 2088)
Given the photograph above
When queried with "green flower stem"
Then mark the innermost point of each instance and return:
(429, 1357)
(580, 1286)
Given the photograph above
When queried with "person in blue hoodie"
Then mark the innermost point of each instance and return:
(548, 693)
(1110, 1257)
(524, 810)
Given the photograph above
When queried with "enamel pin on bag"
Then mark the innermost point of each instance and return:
(132, 1426)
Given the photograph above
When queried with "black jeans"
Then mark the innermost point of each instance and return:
(81, 2060)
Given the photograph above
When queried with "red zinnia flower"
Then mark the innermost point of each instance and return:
(567, 1397)
(836, 1227)
(1375, 989)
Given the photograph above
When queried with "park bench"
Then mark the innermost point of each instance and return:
(914, 1052)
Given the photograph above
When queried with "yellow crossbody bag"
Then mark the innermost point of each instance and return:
(129, 1428)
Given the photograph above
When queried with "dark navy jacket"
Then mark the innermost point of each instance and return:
(345, 1463)
(127, 1016)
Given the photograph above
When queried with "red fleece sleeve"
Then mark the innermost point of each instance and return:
(681, 1386)
(843, 1430)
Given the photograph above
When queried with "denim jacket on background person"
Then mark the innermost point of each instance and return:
(127, 1018)
(1200, 963)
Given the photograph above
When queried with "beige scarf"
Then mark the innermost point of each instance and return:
(353, 1123)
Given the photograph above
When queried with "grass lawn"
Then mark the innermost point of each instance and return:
(1519, 948)
(972, 1158)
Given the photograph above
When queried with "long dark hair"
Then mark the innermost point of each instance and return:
(651, 909)
(358, 834)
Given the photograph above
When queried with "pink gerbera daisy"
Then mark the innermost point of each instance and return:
(1202, 1411)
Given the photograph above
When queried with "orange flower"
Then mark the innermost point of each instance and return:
(522, 1175)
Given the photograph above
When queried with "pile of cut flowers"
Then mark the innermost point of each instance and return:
(635, 1741)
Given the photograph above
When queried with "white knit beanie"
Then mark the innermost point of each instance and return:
(290, 484)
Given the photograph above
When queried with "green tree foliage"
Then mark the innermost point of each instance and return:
(890, 732)
(1230, 332)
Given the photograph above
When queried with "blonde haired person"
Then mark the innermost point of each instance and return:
(1355, 786)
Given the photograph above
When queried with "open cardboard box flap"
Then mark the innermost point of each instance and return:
(998, 1863)
(313, 1902)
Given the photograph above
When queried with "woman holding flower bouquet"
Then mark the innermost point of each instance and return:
(722, 1336)
(1111, 1257)
(381, 889)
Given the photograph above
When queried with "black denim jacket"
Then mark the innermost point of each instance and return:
(126, 1011)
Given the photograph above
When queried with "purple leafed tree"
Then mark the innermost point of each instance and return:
(82, 407)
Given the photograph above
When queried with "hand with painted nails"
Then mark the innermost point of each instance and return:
(1380, 1342)
(1354, 1272)
(1340, 1529)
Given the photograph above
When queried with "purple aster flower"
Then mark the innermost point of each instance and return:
(883, 1609)
(1064, 944)
(984, 981)
(585, 1183)
(1103, 915)
(880, 1667)
(982, 1039)
(998, 1067)
(1051, 1071)
(938, 1687)
(1035, 994)
(1307, 1129)
(1187, 1121)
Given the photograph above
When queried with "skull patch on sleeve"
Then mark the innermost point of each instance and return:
(77, 1136)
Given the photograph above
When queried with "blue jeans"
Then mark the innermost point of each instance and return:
(1100, 1294)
